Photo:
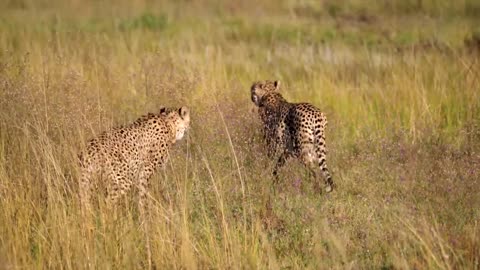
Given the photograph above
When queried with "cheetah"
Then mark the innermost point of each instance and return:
(127, 156)
(293, 129)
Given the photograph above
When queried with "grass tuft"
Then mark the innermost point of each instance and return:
(398, 81)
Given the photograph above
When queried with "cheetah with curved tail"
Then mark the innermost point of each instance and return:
(294, 129)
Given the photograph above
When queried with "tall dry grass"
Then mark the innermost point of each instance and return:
(398, 82)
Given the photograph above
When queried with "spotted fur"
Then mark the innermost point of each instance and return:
(292, 129)
(127, 156)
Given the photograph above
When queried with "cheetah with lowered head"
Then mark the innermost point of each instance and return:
(294, 129)
(127, 156)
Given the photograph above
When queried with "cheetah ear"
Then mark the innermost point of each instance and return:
(162, 110)
(183, 112)
(255, 99)
(277, 85)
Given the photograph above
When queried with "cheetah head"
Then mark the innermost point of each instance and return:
(259, 89)
(178, 118)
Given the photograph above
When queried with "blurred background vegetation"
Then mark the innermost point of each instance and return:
(398, 80)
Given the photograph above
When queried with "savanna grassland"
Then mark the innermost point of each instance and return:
(398, 80)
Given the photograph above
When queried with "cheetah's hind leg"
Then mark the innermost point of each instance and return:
(307, 157)
(311, 159)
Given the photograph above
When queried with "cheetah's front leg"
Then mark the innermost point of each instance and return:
(143, 205)
(85, 189)
(280, 162)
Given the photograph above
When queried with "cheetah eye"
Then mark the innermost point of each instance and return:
(183, 112)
